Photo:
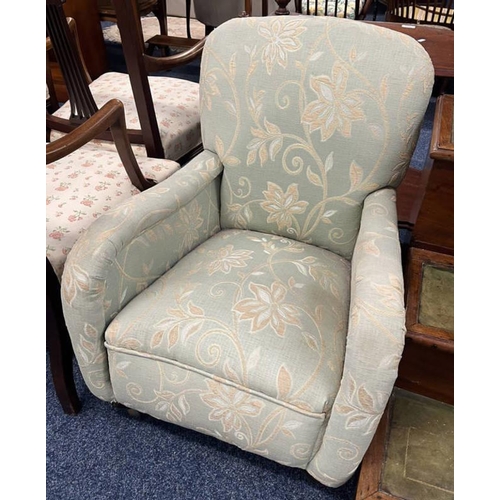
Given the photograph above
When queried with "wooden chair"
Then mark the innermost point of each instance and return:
(214, 15)
(438, 12)
(161, 112)
(82, 183)
(107, 11)
(351, 9)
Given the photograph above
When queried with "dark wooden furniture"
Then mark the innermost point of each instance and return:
(139, 64)
(107, 11)
(112, 117)
(436, 40)
(86, 16)
(427, 365)
(438, 12)
(93, 50)
(434, 227)
(320, 7)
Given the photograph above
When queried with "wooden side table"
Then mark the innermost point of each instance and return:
(434, 227)
(427, 365)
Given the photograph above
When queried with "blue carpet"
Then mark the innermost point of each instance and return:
(103, 453)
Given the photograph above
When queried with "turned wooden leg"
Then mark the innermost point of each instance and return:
(59, 346)
(282, 10)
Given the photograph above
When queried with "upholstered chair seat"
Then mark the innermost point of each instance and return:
(81, 187)
(176, 106)
(257, 294)
(219, 321)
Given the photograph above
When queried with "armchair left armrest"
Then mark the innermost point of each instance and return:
(375, 342)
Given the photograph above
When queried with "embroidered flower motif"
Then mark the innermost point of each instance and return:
(227, 258)
(190, 222)
(268, 308)
(335, 109)
(283, 206)
(283, 38)
(230, 405)
(209, 88)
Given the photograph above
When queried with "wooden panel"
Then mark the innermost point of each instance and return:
(442, 140)
(427, 365)
(438, 41)
(434, 228)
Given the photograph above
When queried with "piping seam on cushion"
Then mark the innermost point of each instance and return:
(289, 406)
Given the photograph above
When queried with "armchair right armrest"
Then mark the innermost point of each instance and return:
(128, 248)
(375, 342)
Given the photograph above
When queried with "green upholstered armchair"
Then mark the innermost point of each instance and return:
(256, 295)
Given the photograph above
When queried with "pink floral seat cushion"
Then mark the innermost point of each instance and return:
(176, 108)
(84, 185)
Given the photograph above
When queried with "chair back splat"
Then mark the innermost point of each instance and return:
(74, 72)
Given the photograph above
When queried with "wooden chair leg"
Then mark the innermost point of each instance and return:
(188, 18)
(59, 347)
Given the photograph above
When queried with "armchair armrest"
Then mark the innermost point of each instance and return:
(127, 249)
(375, 341)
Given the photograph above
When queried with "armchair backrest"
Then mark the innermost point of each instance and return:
(309, 116)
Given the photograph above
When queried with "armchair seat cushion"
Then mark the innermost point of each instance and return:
(81, 187)
(261, 313)
(176, 108)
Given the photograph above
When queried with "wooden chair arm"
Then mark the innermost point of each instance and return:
(154, 63)
(110, 116)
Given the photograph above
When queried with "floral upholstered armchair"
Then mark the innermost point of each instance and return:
(256, 295)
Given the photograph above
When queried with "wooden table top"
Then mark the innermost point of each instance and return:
(438, 41)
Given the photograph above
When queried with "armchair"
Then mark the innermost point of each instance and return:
(257, 294)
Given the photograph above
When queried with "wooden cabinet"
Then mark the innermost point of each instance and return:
(427, 365)
(434, 227)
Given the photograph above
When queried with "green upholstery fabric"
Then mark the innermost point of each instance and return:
(375, 342)
(266, 313)
(312, 115)
(127, 251)
(256, 295)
